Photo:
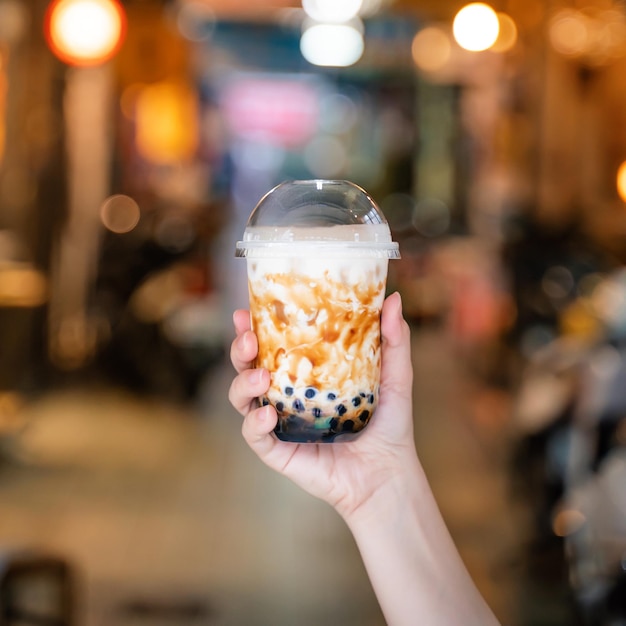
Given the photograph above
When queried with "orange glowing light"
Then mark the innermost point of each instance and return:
(166, 123)
(621, 181)
(3, 92)
(569, 32)
(85, 32)
(431, 49)
(507, 34)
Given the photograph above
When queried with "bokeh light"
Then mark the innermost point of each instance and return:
(431, 217)
(431, 49)
(157, 296)
(336, 11)
(593, 35)
(507, 34)
(74, 342)
(166, 119)
(608, 299)
(175, 233)
(588, 284)
(476, 27)
(568, 32)
(326, 156)
(3, 93)
(120, 213)
(557, 282)
(338, 113)
(621, 181)
(13, 20)
(332, 45)
(85, 32)
(12, 419)
(567, 521)
(128, 100)
(196, 20)
(22, 286)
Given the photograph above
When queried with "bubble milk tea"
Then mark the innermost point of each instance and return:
(316, 293)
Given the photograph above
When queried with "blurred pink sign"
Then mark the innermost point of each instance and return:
(280, 112)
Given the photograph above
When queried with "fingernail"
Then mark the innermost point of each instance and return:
(398, 303)
(263, 415)
(244, 341)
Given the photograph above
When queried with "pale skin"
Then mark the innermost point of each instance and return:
(375, 483)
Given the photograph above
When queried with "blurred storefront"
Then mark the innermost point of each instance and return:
(127, 175)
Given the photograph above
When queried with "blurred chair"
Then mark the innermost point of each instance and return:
(36, 589)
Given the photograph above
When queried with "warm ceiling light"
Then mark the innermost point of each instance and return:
(332, 45)
(336, 11)
(476, 27)
(85, 32)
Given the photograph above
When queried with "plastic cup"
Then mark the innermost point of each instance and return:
(317, 256)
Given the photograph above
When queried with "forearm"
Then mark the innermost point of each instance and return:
(413, 564)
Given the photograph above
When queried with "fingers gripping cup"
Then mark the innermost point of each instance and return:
(317, 253)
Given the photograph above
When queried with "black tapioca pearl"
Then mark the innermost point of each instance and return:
(364, 415)
(334, 422)
(356, 400)
(341, 409)
(317, 412)
(298, 405)
(331, 396)
(311, 392)
(289, 391)
(370, 398)
(348, 426)
(280, 407)
(287, 421)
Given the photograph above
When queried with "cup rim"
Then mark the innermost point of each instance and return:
(315, 249)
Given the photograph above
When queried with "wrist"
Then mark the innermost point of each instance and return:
(415, 569)
(400, 486)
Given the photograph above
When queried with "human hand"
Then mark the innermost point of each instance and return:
(346, 474)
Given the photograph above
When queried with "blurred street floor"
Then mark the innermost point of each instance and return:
(170, 520)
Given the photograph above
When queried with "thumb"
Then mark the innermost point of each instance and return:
(397, 369)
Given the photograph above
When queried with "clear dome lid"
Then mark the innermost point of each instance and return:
(305, 217)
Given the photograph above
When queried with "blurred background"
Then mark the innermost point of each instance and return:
(135, 138)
